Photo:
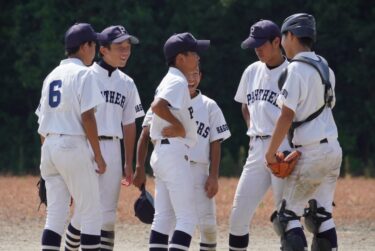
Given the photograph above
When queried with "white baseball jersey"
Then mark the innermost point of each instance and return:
(211, 126)
(302, 80)
(68, 91)
(174, 89)
(258, 89)
(122, 102)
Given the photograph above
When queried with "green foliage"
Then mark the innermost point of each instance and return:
(32, 45)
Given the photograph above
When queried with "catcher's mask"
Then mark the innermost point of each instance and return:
(144, 206)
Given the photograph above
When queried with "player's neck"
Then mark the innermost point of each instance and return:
(275, 61)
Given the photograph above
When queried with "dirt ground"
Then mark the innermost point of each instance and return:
(21, 223)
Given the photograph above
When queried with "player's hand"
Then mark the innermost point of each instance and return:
(139, 176)
(270, 158)
(128, 179)
(102, 166)
(174, 131)
(211, 186)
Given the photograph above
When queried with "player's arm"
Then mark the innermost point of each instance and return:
(142, 150)
(129, 131)
(245, 114)
(282, 126)
(160, 107)
(212, 183)
(89, 125)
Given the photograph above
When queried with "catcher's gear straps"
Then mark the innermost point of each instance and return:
(321, 66)
(290, 241)
(315, 216)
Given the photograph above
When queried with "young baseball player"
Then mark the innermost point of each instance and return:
(66, 121)
(115, 118)
(257, 92)
(306, 102)
(173, 131)
(204, 157)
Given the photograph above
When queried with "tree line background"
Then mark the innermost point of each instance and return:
(31, 42)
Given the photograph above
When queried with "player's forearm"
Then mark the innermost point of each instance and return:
(91, 130)
(215, 156)
(160, 108)
(282, 126)
(245, 114)
(142, 147)
(129, 142)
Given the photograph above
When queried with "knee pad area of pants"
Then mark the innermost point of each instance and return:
(315, 216)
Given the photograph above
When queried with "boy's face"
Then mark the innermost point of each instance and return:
(286, 43)
(194, 78)
(118, 54)
(268, 51)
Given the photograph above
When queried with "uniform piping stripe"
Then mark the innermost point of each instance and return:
(156, 245)
(173, 245)
(237, 249)
(50, 247)
(73, 244)
(90, 246)
(73, 236)
(109, 240)
(106, 247)
(212, 245)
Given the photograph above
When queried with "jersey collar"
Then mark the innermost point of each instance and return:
(72, 60)
(177, 72)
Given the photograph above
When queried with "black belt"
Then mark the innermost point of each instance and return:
(325, 140)
(106, 138)
(164, 142)
(260, 137)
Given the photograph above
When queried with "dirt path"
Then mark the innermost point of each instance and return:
(21, 224)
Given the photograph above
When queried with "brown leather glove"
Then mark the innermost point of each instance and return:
(286, 161)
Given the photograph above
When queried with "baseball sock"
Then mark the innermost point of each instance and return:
(50, 240)
(238, 243)
(298, 231)
(90, 242)
(158, 241)
(107, 240)
(72, 239)
(205, 246)
(329, 235)
(180, 241)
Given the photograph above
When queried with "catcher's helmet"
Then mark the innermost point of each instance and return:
(144, 206)
(301, 25)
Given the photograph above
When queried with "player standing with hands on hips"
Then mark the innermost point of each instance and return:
(115, 118)
(205, 157)
(66, 121)
(306, 102)
(173, 131)
(257, 92)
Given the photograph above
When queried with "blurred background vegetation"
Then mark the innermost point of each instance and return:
(31, 41)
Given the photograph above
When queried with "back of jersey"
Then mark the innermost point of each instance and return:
(68, 91)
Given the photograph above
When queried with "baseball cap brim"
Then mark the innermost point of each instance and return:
(132, 39)
(203, 45)
(252, 43)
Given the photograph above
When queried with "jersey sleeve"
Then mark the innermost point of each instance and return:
(132, 106)
(240, 96)
(291, 92)
(218, 125)
(332, 80)
(90, 95)
(175, 93)
(147, 119)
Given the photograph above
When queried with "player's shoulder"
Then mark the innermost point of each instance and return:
(209, 103)
(253, 67)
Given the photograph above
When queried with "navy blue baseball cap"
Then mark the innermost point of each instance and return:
(78, 34)
(183, 42)
(116, 34)
(261, 32)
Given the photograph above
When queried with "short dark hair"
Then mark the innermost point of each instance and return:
(74, 50)
(108, 46)
(172, 62)
(306, 41)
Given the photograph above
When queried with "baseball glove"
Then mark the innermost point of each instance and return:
(42, 192)
(286, 161)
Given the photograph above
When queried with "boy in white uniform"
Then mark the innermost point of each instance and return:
(66, 121)
(212, 129)
(115, 118)
(257, 92)
(307, 91)
(173, 132)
